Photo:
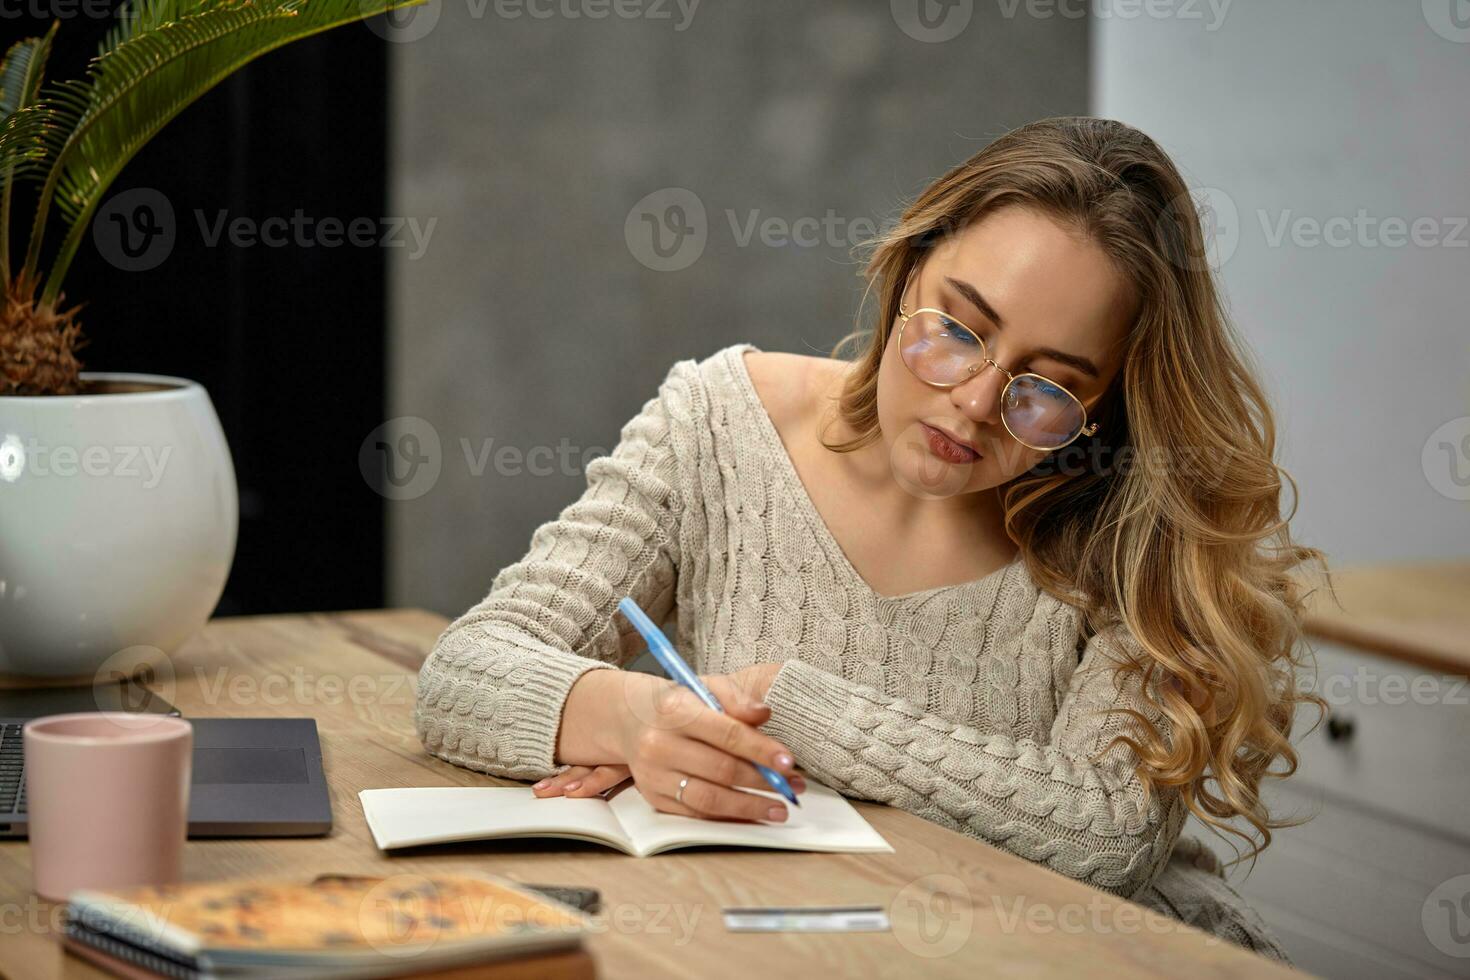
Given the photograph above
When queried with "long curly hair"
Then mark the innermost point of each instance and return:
(1179, 538)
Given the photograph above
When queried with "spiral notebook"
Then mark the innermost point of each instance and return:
(332, 928)
(825, 821)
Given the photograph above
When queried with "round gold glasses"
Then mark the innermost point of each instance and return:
(943, 352)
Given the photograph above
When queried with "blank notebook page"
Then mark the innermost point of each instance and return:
(407, 817)
(411, 817)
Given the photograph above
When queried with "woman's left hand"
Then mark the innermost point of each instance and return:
(743, 686)
(580, 781)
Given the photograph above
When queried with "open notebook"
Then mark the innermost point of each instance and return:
(411, 817)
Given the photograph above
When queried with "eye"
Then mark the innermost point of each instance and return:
(957, 332)
(1067, 385)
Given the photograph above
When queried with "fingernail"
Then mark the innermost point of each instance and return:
(761, 706)
(572, 785)
(542, 785)
(783, 760)
(776, 814)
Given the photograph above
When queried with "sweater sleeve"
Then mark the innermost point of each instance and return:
(491, 693)
(1072, 803)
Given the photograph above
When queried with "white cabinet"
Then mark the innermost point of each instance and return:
(1352, 892)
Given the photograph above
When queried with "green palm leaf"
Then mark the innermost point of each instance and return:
(162, 55)
(20, 72)
(20, 82)
(137, 18)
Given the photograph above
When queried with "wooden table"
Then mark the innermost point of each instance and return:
(959, 907)
(1417, 612)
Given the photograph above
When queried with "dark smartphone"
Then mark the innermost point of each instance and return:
(584, 899)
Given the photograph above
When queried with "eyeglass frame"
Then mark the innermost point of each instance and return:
(904, 317)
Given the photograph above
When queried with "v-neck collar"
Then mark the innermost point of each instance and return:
(735, 356)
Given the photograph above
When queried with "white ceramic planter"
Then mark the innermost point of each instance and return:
(118, 515)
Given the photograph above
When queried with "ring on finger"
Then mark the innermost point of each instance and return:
(679, 796)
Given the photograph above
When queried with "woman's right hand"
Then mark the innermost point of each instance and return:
(665, 735)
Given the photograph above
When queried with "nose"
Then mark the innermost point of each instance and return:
(979, 397)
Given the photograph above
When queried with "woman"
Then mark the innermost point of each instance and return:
(1019, 567)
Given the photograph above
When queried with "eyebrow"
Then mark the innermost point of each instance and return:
(971, 294)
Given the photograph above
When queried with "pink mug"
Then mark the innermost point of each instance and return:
(108, 799)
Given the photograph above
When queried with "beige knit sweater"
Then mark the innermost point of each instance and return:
(978, 706)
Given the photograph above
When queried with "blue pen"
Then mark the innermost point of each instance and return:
(668, 658)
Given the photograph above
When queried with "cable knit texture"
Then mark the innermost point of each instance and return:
(979, 706)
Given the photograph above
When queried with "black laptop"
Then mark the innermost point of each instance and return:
(252, 777)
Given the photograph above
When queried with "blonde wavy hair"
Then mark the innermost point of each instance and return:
(1185, 546)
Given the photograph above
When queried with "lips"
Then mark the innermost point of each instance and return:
(947, 447)
(956, 439)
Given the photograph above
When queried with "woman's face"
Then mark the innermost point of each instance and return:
(1043, 300)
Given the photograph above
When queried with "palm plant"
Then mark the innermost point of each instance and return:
(69, 140)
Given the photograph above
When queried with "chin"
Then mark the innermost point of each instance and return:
(921, 473)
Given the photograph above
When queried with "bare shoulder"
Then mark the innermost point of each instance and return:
(790, 385)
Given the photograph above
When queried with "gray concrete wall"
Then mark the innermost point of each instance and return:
(538, 314)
